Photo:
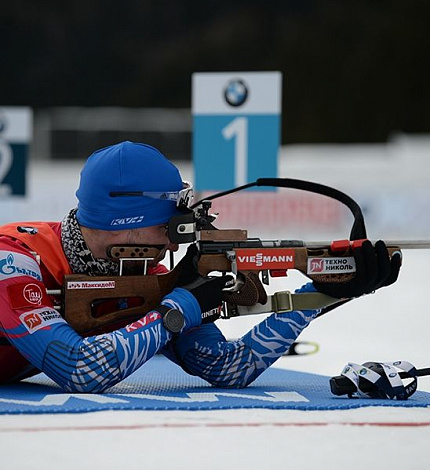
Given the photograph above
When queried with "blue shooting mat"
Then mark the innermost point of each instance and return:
(162, 385)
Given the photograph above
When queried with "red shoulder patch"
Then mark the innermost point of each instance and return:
(28, 295)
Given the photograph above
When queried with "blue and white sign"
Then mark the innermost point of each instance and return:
(15, 137)
(236, 128)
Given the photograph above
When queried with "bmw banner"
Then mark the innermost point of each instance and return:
(236, 128)
(15, 136)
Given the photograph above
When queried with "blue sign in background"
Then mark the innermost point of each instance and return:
(15, 137)
(215, 156)
(14, 178)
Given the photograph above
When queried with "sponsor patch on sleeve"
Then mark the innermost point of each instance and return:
(40, 318)
(18, 265)
(27, 295)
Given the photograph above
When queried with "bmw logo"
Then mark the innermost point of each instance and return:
(236, 92)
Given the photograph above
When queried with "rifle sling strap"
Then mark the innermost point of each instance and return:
(285, 301)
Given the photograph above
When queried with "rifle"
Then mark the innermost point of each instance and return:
(226, 251)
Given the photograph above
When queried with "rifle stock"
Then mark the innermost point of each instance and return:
(82, 293)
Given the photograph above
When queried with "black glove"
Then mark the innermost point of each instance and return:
(374, 270)
(207, 290)
(188, 266)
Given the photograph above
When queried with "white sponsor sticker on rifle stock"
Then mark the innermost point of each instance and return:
(91, 285)
(344, 264)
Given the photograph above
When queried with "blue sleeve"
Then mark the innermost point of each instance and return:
(95, 363)
(203, 351)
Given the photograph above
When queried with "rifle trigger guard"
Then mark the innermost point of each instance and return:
(282, 302)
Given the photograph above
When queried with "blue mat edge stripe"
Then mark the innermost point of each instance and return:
(161, 378)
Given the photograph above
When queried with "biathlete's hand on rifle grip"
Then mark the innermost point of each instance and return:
(208, 291)
(374, 269)
(188, 266)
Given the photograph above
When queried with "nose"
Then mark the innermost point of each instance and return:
(172, 246)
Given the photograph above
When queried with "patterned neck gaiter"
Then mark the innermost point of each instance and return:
(80, 258)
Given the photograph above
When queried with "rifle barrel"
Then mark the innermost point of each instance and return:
(402, 244)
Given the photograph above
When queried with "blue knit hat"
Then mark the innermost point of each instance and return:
(114, 181)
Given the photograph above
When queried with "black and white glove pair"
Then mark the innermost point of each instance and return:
(374, 269)
(208, 290)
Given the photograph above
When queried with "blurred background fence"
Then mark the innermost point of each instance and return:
(355, 100)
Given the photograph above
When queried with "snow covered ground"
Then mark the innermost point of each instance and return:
(389, 325)
(240, 439)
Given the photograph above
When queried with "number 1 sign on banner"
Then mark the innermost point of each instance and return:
(236, 132)
(238, 129)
